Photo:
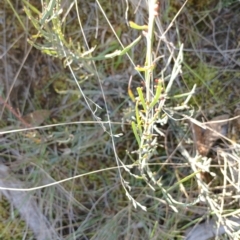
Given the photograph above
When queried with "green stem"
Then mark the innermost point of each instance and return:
(149, 36)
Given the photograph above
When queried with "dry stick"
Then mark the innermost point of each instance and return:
(11, 109)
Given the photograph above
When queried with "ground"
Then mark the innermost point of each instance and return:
(38, 89)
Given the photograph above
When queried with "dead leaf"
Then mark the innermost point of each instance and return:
(205, 136)
(37, 117)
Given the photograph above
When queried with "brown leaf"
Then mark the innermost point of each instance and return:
(205, 138)
(37, 117)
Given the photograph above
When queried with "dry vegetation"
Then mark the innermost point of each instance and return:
(78, 158)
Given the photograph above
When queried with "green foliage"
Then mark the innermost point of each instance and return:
(76, 154)
(55, 43)
(227, 3)
(152, 103)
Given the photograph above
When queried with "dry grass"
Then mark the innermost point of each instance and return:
(77, 156)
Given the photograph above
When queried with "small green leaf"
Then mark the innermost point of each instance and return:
(134, 128)
(183, 180)
(157, 95)
(35, 10)
(136, 26)
(141, 97)
(126, 49)
(131, 95)
(138, 118)
(48, 12)
(145, 68)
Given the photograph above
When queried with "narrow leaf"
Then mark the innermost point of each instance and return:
(48, 12)
(145, 68)
(136, 26)
(141, 97)
(125, 50)
(157, 95)
(138, 118)
(134, 128)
